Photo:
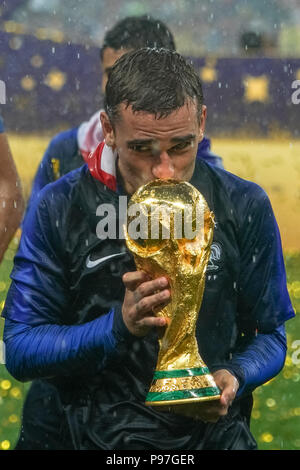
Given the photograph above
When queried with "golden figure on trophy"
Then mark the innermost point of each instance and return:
(171, 236)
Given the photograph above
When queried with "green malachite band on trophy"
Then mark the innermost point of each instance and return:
(182, 394)
(174, 374)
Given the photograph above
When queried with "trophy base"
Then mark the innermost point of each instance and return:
(181, 387)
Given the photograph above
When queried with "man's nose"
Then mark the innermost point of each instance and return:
(164, 167)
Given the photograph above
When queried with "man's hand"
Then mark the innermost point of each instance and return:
(143, 296)
(211, 411)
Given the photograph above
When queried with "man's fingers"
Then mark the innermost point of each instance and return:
(150, 322)
(228, 385)
(150, 302)
(133, 279)
(150, 287)
(143, 283)
(227, 396)
(143, 297)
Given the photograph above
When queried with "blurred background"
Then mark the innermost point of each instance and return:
(247, 53)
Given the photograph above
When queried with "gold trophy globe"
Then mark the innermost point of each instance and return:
(169, 231)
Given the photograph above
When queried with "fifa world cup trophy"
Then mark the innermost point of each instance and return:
(171, 237)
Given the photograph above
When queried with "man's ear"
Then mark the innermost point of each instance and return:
(202, 122)
(108, 131)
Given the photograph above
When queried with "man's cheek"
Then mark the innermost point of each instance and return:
(186, 171)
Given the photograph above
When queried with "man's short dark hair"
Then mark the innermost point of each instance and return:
(156, 81)
(135, 32)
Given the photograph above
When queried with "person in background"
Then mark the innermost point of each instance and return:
(69, 149)
(11, 199)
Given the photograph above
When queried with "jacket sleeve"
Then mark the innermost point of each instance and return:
(261, 359)
(46, 351)
(38, 341)
(263, 300)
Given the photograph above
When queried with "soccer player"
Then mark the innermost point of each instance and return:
(70, 148)
(79, 316)
(11, 199)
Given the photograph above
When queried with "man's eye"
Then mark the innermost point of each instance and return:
(181, 146)
(140, 148)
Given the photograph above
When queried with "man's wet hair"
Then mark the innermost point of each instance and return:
(135, 32)
(155, 81)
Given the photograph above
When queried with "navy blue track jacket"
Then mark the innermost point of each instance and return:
(63, 312)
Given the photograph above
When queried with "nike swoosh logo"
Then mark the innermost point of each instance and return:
(92, 264)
